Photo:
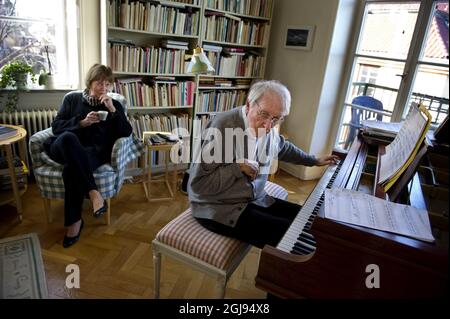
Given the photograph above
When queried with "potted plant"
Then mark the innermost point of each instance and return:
(46, 78)
(14, 76)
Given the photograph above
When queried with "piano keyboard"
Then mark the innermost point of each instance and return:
(297, 240)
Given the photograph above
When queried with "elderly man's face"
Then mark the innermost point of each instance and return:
(265, 113)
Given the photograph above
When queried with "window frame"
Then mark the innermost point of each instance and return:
(66, 40)
(412, 62)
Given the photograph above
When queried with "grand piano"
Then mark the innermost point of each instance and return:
(322, 258)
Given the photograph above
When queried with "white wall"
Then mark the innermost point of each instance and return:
(313, 77)
(89, 35)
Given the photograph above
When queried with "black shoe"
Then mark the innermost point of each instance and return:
(69, 241)
(99, 212)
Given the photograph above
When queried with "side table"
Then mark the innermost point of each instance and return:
(7, 148)
(170, 182)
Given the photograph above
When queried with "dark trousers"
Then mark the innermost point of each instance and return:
(258, 226)
(79, 164)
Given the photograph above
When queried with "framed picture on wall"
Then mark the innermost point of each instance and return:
(299, 37)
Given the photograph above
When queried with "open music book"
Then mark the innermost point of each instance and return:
(401, 152)
(369, 211)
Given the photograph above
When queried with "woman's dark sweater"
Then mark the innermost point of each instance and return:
(99, 136)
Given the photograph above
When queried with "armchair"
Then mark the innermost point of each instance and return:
(108, 177)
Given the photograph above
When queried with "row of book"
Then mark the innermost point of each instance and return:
(20, 170)
(219, 101)
(225, 29)
(258, 8)
(130, 58)
(236, 63)
(206, 82)
(153, 17)
(178, 124)
(161, 93)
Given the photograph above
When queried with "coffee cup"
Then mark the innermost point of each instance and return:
(102, 115)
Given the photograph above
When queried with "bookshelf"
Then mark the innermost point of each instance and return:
(148, 45)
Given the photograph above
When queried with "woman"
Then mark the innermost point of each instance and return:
(83, 142)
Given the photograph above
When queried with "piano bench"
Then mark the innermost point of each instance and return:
(185, 240)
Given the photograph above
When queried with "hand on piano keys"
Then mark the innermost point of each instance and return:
(327, 160)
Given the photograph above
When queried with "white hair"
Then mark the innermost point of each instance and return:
(261, 87)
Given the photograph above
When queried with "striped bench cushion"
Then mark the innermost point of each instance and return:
(186, 234)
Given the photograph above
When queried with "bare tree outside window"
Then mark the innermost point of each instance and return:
(29, 28)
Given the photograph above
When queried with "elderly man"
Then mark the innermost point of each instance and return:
(226, 184)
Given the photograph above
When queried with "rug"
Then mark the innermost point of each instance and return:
(22, 274)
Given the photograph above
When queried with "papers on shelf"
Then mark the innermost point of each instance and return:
(374, 127)
(369, 211)
(400, 153)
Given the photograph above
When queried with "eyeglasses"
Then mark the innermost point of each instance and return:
(264, 116)
(99, 83)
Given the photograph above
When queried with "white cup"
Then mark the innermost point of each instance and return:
(102, 115)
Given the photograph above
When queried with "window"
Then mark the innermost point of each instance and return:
(401, 56)
(28, 26)
(367, 74)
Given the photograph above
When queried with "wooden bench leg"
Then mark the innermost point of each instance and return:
(157, 266)
(48, 209)
(222, 286)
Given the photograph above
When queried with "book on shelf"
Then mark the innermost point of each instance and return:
(20, 169)
(223, 82)
(160, 138)
(120, 41)
(179, 45)
(173, 42)
(7, 132)
(213, 48)
(19, 165)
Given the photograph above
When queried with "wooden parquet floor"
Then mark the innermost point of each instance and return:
(115, 261)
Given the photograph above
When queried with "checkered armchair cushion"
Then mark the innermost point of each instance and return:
(109, 177)
(186, 234)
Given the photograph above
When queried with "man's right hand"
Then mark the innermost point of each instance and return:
(90, 119)
(249, 168)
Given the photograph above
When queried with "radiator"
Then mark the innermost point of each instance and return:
(32, 120)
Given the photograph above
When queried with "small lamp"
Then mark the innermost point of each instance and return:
(199, 63)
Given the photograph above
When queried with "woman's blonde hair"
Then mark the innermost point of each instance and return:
(99, 72)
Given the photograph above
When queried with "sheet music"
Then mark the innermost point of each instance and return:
(401, 148)
(369, 211)
(387, 128)
(390, 127)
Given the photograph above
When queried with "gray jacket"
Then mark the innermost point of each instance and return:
(220, 191)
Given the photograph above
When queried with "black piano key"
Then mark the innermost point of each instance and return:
(302, 249)
(307, 241)
(304, 246)
(297, 251)
(307, 235)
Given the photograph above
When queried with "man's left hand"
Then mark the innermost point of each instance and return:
(327, 160)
